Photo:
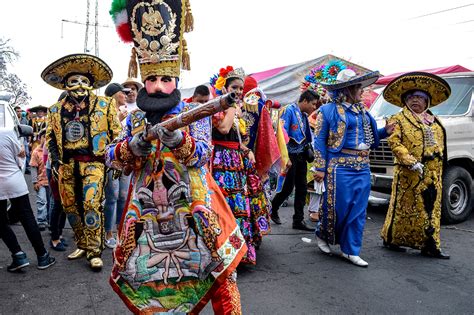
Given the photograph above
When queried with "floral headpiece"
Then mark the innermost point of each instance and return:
(218, 80)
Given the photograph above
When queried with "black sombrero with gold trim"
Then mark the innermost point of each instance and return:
(38, 108)
(56, 73)
(436, 87)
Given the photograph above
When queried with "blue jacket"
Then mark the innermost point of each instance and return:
(331, 130)
(294, 124)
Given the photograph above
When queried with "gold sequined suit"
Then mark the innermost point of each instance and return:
(413, 217)
(82, 166)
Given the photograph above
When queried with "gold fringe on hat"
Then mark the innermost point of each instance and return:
(132, 65)
(185, 60)
(189, 19)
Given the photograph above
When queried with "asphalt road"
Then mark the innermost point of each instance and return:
(291, 277)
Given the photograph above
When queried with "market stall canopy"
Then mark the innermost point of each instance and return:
(451, 69)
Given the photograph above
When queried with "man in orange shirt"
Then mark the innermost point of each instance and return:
(40, 182)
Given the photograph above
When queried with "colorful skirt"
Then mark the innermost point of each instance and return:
(238, 180)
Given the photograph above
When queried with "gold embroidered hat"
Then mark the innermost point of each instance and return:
(437, 88)
(95, 68)
(156, 28)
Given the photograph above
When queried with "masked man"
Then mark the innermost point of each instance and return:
(177, 234)
(79, 128)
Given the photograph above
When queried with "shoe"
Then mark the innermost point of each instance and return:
(96, 263)
(78, 253)
(395, 248)
(45, 261)
(302, 226)
(436, 253)
(19, 261)
(276, 219)
(64, 242)
(60, 247)
(111, 243)
(323, 246)
(356, 260)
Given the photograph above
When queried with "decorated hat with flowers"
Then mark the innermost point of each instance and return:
(219, 80)
(333, 73)
(156, 28)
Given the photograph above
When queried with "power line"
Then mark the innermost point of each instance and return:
(442, 11)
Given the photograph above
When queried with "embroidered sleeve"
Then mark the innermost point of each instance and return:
(114, 124)
(286, 119)
(320, 140)
(118, 154)
(399, 150)
(196, 148)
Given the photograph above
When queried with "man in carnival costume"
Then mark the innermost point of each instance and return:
(178, 243)
(344, 134)
(79, 127)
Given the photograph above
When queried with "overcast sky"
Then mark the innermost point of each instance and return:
(389, 36)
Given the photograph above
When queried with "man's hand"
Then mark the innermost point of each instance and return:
(139, 146)
(318, 176)
(36, 186)
(22, 153)
(417, 167)
(171, 139)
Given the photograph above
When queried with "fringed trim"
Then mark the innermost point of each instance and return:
(132, 65)
(186, 62)
(188, 20)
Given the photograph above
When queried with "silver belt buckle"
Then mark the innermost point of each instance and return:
(74, 131)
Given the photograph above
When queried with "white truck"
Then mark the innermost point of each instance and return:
(457, 116)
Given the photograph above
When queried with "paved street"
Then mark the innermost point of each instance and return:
(291, 277)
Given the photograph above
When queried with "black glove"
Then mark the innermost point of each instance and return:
(309, 153)
(139, 146)
(171, 139)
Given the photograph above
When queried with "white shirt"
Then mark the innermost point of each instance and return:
(12, 181)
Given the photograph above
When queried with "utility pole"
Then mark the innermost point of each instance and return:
(88, 23)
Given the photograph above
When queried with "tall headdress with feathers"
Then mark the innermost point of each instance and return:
(156, 28)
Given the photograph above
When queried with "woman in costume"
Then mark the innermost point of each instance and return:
(233, 165)
(344, 134)
(419, 146)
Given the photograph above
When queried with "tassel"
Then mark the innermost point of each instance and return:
(186, 63)
(132, 65)
(188, 20)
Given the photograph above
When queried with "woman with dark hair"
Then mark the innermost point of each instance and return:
(233, 164)
(419, 146)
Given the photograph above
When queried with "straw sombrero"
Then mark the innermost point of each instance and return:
(56, 73)
(438, 89)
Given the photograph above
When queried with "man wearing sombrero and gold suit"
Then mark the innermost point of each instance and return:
(38, 123)
(79, 128)
(418, 144)
(178, 242)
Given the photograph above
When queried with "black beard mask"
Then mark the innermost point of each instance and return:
(156, 105)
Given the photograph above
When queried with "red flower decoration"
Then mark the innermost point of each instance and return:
(235, 241)
(223, 72)
(333, 70)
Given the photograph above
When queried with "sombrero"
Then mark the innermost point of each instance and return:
(56, 73)
(134, 81)
(335, 73)
(38, 108)
(438, 89)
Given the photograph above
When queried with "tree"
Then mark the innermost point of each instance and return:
(10, 83)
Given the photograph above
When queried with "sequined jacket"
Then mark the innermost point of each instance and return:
(104, 126)
(330, 132)
(409, 140)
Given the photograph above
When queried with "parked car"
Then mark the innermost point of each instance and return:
(457, 116)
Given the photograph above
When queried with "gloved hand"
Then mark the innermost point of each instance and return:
(417, 167)
(55, 169)
(171, 139)
(139, 146)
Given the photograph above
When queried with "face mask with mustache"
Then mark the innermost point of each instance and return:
(156, 105)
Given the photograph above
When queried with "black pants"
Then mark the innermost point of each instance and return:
(58, 220)
(296, 177)
(21, 205)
